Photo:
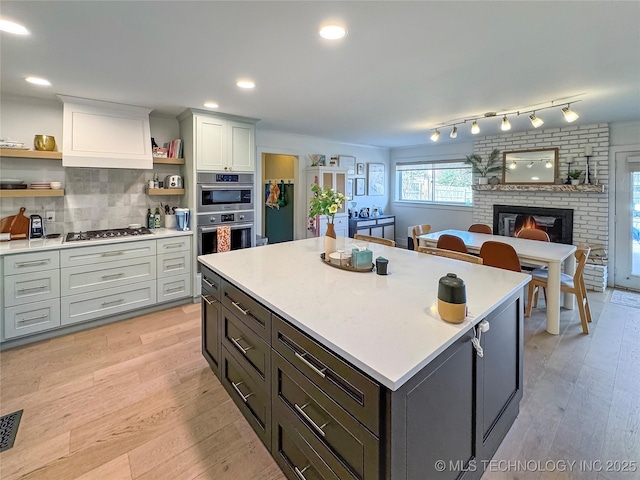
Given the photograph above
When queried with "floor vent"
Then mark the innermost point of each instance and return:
(9, 429)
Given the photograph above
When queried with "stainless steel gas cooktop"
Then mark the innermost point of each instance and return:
(115, 233)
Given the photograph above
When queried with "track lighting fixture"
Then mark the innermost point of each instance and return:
(548, 164)
(535, 121)
(569, 115)
(505, 124)
(435, 136)
(475, 129)
(454, 132)
(512, 165)
(530, 164)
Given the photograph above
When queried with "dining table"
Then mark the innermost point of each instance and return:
(532, 252)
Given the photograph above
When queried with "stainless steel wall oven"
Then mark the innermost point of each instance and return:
(220, 192)
(241, 230)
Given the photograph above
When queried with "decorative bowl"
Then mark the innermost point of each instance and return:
(45, 143)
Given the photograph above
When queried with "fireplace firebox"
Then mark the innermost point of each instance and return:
(508, 220)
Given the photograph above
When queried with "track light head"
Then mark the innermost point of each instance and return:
(530, 165)
(569, 115)
(549, 164)
(535, 121)
(505, 124)
(435, 136)
(454, 132)
(512, 165)
(475, 129)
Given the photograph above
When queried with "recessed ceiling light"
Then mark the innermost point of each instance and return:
(332, 32)
(12, 27)
(211, 105)
(245, 84)
(39, 81)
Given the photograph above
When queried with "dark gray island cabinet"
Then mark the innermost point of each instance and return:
(323, 418)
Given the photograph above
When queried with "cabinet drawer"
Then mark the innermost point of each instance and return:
(173, 288)
(71, 257)
(31, 287)
(173, 244)
(210, 313)
(352, 390)
(31, 262)
(384, 221)
(83, 278)
(109, 301)
(247, 347)
(251, 400)
(294, 455)
(329, 429)
(365, 223)
(31, 318)
(170, 264)
(257, 317)
(211, 283)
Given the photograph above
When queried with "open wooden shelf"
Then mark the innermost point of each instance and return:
(165, 191)
(540, 188)
(169, 161)
(15, 153)
(28, 192)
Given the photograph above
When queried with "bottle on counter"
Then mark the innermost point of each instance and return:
(156, 218)
(151, 219)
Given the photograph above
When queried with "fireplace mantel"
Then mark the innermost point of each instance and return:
(541, 188)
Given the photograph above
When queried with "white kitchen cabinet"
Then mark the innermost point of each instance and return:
(328, 177)
(72, 257)
(220, 142)
(31, 318)
(173, 288)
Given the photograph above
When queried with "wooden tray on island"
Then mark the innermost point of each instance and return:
(346, 267)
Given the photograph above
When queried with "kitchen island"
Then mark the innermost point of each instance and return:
(354, 375)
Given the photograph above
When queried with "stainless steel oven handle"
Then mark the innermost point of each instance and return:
(234, 226)
(229, 186)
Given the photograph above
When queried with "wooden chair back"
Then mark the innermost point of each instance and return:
(500, 255)
(465, 257)
(419, 230)
(480, 228)
(381, 241)
(533, 234)
(451, 242)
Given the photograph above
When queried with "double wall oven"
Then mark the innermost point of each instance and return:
(224, 199)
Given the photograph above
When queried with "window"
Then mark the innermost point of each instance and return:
(434, 182)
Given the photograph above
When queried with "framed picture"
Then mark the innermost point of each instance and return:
(359, 186)
(375, 179)
(360, 169)
(318, 160)
(349, 191)
(348, 162)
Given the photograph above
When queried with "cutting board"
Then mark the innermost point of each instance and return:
(16, 225)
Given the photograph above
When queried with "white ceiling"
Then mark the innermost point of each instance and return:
(404, 67)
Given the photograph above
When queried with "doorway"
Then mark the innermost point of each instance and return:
(278, 198)
(627, 220)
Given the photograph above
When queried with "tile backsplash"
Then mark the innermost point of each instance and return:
(95, 198)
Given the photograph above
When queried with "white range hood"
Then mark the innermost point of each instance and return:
(105, 135)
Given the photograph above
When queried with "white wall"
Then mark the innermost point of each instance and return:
(268, 141)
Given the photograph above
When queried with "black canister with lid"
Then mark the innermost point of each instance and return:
(452, 298)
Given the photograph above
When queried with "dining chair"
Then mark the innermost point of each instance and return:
(420, 230)
(440, 252)
(500, 255)
(451, 242)
(480, 228)
(569, 284)
(381, 241)
(533, 234)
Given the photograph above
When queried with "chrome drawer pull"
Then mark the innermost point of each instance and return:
(176, 265)
(174, 289)
(244, 351)
(173, 245)
(211, 284)
(113, 302)
(113, 254)
(206, 299)
(242, 395)
(311, 366)
(39, 287)
(300, 409)
(32, 319)
(299, 473)
(33, 262)
(113, 275)
(237, 305)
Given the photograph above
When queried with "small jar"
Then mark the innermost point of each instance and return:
(452, 298)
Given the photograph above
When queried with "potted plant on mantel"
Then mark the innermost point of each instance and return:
(575, 176)
(483, 168)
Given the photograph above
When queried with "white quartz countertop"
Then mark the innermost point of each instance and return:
(387, 326)
(25, 246)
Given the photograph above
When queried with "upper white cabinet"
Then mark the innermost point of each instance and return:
(220, 142)
(105, 135)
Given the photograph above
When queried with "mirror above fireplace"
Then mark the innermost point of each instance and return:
(538, 166)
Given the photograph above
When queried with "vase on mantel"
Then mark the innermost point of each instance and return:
(483, 180)
(329, 241)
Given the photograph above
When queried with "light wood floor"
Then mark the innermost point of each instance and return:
(135, 399)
